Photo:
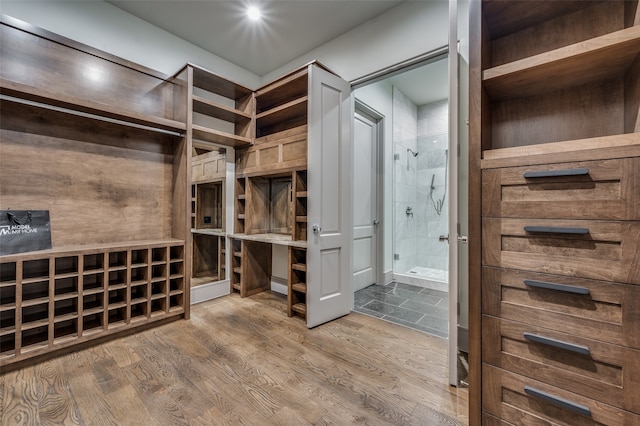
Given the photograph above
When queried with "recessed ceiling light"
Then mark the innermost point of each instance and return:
(254, 13)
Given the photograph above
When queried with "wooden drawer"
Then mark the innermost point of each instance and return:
(606, 189)
(602, 250)
(598, 310)
(520, 400)
(602, 371)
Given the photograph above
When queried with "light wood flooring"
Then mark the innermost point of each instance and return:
(243, 362)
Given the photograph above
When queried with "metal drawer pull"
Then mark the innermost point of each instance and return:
(557, 401)
(583, 350)
(556, 230)
(558, 287)
(557, 173)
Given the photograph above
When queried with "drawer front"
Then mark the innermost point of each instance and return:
(607, 189)
(602, 250)
(602, 371)
(520, 400)
(599, 310)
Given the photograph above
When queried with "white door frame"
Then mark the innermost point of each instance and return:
(373, 115)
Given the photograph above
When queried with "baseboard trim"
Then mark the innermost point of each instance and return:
(209, 291)
(279, 285)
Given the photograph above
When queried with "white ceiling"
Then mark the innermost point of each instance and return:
(289, 29)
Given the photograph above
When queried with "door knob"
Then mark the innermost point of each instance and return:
(316, 229)
(376, 222)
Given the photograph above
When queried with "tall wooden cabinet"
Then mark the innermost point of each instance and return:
(555, 212)
(99, 142)
(304, 111)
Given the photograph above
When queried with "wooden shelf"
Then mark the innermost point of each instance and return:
(301, 287)
(282, 91)
(296, 108)
(616, 146)
(211, 82)
(299, 267)
(71, 103)
(300, 308)
(302, 194)
(600, 58)
(218, 137)
(205, 106)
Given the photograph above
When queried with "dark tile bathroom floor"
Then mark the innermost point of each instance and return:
(419, 308)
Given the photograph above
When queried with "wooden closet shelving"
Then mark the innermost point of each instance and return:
(297, 291)
(215, 97)
(282, 105)
(113, 161)
(555, 156)
(50, 98)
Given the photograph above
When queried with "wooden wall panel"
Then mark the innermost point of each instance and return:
(98, 188)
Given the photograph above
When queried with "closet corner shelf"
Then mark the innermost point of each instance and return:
(36, 94)
(591, 60)
(205, 106)
(604, 147)
(212, 82)
(217, 137)
(292, 109)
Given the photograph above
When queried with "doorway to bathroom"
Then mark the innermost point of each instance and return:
(413, 290)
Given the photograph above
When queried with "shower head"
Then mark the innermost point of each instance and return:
(415, 154)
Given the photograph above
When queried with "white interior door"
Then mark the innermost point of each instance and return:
(365, 203)
(329, 214)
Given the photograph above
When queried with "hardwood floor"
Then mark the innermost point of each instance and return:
(242, 361)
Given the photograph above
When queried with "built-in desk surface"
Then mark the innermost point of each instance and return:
(280, 239)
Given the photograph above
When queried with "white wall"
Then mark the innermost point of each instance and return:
(105, 27)
(406, 31)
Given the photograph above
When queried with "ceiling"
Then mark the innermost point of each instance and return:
(288, 29)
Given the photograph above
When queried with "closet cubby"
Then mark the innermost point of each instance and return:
(300, 206)
(241, 201)
(222, 111)
(563, 71)
(85, 295)
(236, 264)
(297, 282)
(206, 258)
(269, 211)
(282, 105)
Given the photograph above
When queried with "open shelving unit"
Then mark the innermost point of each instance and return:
(554, 148)
(221, 110)
(297, 283)
(59, 298)
(114, 163)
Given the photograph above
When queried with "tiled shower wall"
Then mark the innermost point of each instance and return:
(433, 141)
(423, 129)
